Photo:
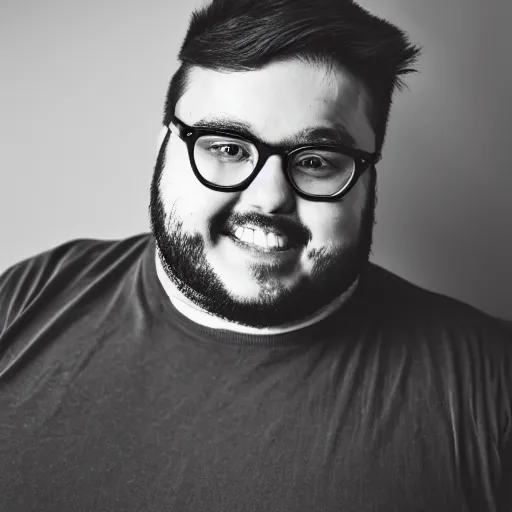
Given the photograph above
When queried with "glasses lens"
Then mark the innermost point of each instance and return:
(224, 161)
(321, 172)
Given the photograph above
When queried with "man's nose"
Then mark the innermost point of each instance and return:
(270, 191)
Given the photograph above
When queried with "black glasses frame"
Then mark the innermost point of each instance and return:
(363, 160)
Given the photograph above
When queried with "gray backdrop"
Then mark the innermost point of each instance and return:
(81, 93)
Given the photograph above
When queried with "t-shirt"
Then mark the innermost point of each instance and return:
(112, 400)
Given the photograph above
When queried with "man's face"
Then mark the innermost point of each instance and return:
(194, 226)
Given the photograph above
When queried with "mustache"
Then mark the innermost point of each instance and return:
(297, 233)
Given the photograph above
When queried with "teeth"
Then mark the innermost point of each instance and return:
(260, 238)
(272, 240)
(248, 236)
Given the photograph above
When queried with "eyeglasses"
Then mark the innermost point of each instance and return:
(226, 162)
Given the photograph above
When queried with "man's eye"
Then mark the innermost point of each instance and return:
(311, 162)
(229, 150)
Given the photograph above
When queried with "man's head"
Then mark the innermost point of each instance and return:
(274, 71)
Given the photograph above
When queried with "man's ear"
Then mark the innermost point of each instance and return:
(161, 137)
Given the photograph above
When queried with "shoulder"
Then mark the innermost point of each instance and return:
(395, 300)
(61, 266)
(79, 253)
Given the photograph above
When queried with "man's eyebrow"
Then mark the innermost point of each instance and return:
(335, 134)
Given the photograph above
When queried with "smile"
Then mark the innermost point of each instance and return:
(264, 240)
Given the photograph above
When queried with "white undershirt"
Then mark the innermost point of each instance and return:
(194, 313)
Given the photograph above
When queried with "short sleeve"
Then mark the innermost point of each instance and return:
(504, 490)
(17, 285)
(23, 282)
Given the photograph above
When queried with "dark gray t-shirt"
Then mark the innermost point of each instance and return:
(111, 400)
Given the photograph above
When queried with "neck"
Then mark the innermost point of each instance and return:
(202, 317)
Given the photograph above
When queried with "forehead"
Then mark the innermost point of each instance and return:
(280, 100)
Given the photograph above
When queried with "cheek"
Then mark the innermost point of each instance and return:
(180, 190)
(335, 223)
(177, 177)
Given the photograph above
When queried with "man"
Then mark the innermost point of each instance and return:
(246, 356)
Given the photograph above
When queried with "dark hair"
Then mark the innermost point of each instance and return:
(244, 35)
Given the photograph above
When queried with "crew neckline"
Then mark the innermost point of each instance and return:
(168, 313)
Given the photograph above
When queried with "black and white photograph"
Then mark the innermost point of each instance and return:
(256, 256)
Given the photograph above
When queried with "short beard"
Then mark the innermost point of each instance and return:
(184, 260)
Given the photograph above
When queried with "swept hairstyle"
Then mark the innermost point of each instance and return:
(244, 35)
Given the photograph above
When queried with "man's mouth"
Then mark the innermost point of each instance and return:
(266, 240)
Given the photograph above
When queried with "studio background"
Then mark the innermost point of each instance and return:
(82, 87)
